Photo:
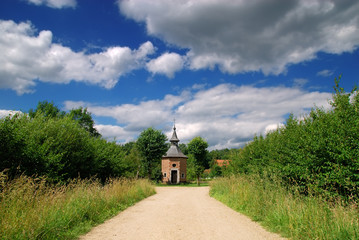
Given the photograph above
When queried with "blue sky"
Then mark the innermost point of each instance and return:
(226, 70)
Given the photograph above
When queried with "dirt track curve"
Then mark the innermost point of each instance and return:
(179, 213)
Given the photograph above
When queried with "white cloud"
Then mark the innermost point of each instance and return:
(136, 117)
(26, 58)
(226, 115)
(241, 36)
(5, 113)
(167, 64)
(300, 82)
(112, 133)
(55, 3)
(273, 127)
(325, 73)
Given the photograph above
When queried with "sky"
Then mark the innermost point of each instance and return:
(225, 70)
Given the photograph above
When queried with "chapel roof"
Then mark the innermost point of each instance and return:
(174, 151)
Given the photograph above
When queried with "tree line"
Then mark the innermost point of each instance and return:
(317, 153)
(61, 146)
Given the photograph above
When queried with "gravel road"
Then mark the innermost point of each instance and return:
(179, 213)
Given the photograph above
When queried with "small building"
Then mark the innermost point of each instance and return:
(174, 163)
(222, 163)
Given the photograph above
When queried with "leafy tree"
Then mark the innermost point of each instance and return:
(152, 146)
(12, 145)
(318, 154)
(84, 118)
(184, 148)
(48, 109)
(61, 147)
(133, 159)
(197, 147)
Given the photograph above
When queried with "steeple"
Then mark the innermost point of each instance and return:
(174, 150)
(174, 139)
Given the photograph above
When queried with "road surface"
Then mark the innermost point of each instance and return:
(179, 213)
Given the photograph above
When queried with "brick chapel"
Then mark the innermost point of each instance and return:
(174, 163)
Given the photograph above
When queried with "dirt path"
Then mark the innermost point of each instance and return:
(179, 213)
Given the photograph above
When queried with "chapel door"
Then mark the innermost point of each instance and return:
(174, 176)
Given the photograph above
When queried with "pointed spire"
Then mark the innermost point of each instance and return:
(174, 151)
(174, 138)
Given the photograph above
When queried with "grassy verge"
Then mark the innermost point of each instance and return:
(33, 209)
(292, 215)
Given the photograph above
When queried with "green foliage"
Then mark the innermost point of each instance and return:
(48, 109)
(80, 115)
(183, 147)
(219, 154)
(12, 145)
(83, 117)
(58, 148)
(197, 149)
(319, 154)
(152, 146)
(216, 171)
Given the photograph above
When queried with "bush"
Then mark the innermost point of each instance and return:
(319, 154)
(58, 148)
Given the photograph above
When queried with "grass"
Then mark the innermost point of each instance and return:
(292, 215)
(33, 209)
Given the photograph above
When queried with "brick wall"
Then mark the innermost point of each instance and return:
(175, 164)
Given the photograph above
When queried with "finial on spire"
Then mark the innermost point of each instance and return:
(174, 139)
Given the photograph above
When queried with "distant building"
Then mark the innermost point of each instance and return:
(217, 162)
(221, 162)
(174, 163)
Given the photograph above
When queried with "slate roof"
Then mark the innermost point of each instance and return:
(174, 151)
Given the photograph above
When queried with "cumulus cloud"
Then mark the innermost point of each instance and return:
(325, 73)
(26, 58)
(5, 113)
(226, 115)
(55, 3)
(136, 117)
(242, 36)
(167, 64)
(112, 133)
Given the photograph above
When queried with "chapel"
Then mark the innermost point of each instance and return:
(174, 163)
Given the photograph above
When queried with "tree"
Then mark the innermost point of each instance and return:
(152, 146)
(197, 147)
(84, 118)
(183, 148)
(48, 109)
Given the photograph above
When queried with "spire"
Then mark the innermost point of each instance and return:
(174, 138)
(174, 150)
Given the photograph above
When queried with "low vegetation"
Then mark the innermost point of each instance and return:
(286, 211)
(31, 208)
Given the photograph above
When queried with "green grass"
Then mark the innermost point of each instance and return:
(292, 215)
(33, 209)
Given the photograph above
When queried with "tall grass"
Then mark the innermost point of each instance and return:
(33, 209)
(290, 214)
